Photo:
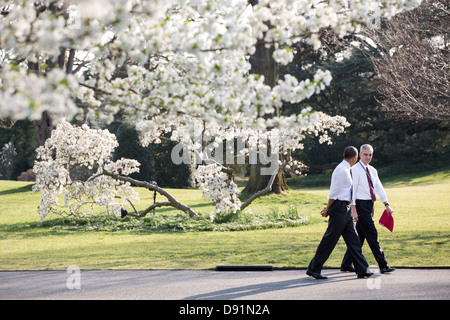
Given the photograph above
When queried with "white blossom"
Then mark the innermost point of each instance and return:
(69, 148)
(184, 58)
(173, 67)
(216, 185)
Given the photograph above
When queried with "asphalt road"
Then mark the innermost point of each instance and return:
(402, 284)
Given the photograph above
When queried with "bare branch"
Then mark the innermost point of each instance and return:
(412, 62)
(172, 201)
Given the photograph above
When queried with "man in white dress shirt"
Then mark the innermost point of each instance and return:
(366, 185)
(340, 221)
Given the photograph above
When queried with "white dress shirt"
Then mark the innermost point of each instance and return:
(341, 182)
(361, 190)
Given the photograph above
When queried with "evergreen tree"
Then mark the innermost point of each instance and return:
(156, 162)
(353, 94)
(129, 147)
(21, 135)
(169, 174)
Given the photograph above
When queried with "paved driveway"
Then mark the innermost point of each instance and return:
(410, 284)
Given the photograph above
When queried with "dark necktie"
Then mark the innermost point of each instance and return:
(351, 187)
(369, 179)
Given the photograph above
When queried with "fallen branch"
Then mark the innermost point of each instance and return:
(153, 187)
(154, 206)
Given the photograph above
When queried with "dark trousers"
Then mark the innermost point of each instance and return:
(340, 223)
(366, 230)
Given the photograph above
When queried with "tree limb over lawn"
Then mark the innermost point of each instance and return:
(153, 187)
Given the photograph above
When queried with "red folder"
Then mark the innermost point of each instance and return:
(387, 220)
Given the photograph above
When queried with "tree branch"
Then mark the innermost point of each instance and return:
(154, 206)
(268, 188)
(172, 201)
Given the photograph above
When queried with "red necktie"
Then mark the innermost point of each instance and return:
(369, 179)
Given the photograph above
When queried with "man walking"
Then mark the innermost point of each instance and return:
(340, 221)
(365, 185)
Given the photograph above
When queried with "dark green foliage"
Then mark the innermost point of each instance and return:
(156, 163)
(21, 135)
(352, 93)
(129, 147)
(169, 174)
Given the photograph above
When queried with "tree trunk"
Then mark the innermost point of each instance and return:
(43, 128)
(257, 181)
(262, 63)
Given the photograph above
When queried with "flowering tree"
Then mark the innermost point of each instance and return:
(172, 66)
(70, 148)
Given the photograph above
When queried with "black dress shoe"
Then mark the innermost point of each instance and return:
(315, 275)
(348, 269)
(364, 275)
(387, 269)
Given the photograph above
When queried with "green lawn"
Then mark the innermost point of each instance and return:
(420, 238)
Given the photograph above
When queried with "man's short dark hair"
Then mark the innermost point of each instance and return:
(350, 152)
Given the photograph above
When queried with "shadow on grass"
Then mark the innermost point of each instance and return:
(26, 188)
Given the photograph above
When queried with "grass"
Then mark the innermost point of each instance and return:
(420, 238)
